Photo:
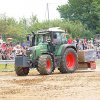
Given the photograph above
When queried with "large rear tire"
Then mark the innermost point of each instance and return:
(45, 65)
(69, 61)
(22, 71)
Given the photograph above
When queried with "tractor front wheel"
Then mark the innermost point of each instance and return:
(45, 65)
(22, 71)
(69, 61)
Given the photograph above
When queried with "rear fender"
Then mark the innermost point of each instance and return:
(64, 47)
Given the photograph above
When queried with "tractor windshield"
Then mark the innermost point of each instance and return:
(42, 38)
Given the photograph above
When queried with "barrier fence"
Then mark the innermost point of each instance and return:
(7, 61)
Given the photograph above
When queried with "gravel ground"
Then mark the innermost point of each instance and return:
(81, 85)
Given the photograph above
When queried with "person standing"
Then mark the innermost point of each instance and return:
(70, 40)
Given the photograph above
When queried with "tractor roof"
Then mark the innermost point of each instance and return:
(47, 31)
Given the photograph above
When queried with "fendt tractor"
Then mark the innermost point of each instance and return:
(49, 50)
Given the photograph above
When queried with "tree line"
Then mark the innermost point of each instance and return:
(79, 18)
(86, 11)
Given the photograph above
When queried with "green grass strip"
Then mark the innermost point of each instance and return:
(6, 67)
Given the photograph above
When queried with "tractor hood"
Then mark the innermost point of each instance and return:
(36, 51)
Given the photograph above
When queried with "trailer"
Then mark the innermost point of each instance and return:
(87, 58)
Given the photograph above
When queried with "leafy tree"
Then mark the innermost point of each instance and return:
(3, 25)
(18, 30)
(87, 11)
(74, 28)
(33, 19)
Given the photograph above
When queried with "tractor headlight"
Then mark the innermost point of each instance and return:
(31, 52)
(28, 52)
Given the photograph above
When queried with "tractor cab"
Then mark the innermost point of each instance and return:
(47, 41)
(51, 35)
(56, 35)
(42, 38)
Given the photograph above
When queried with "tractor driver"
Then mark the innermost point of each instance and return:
(46, 38)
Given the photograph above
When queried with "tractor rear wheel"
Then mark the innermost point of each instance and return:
(69, 61)
(22, 71)
(45, 65)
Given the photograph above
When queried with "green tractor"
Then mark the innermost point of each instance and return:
(49, 50)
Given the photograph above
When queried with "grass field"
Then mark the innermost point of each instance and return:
(98, 63)
(11, 66)
(6, 67)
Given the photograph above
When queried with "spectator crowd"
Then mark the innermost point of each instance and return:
(83, 44)
(9, 50)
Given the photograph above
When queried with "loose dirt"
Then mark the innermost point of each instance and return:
(81, 85)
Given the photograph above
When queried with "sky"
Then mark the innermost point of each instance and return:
(25, 8)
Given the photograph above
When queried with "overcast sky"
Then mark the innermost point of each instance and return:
(25, 8)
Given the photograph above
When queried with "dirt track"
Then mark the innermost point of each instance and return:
(76, 86)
